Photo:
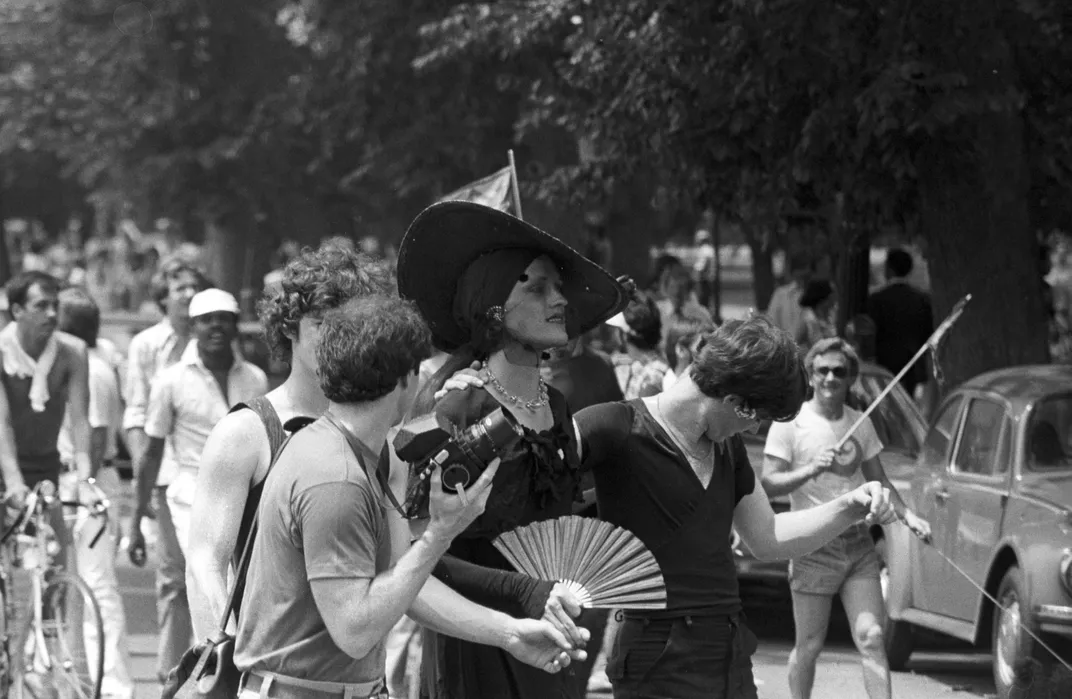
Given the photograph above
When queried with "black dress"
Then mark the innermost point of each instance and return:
(539, 478)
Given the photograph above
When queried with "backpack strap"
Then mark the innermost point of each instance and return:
(269, 417)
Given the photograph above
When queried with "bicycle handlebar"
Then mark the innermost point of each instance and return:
(44, 494)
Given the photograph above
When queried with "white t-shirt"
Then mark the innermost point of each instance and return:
(105, 406)
(799, 442)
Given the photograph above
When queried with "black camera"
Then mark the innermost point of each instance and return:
(462, 454)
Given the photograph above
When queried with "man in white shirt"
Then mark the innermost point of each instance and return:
(186, 401)
(801, 461)
(80, 316)
(151, 351)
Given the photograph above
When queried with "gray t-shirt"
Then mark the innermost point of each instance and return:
(320, 518)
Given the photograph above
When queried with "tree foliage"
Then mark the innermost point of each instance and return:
(945, 120)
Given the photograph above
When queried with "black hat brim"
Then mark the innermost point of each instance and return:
(446, 237)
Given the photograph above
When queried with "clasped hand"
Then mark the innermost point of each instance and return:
(873, 500)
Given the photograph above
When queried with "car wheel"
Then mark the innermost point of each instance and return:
(899, 637)
(1010, 645)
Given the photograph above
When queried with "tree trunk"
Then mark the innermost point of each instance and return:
(225, 247)
(762, 266)
(854, 274)
(974, 183)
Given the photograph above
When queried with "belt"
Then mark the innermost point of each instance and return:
(269, 685)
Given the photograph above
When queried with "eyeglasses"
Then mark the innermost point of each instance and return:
(838, 371)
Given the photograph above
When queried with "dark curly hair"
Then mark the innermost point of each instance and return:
(315, 282)
(368, 345)
(757, 361)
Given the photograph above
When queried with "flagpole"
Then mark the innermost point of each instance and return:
(514, 183)
(931, 343)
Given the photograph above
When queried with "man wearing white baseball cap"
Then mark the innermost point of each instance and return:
(187, 400)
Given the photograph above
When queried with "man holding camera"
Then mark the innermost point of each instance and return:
(332, 568)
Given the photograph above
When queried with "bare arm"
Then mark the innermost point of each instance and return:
(78, 403)
(146, 469)
(9, 458)
(236, 450)
(791, 534)
(359, 611)
(873, 471)
(780, 478)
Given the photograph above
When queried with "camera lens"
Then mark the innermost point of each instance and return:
(455, 476)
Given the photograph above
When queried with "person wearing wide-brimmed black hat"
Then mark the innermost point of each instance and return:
(499, 291)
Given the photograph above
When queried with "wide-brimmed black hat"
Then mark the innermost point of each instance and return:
(446, 237)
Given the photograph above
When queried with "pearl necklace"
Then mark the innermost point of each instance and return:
(534, 404)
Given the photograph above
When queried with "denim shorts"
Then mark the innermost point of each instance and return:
(850, 556)
(683, 657)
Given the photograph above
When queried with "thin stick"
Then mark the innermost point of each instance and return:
(514, 187)
(932, 341)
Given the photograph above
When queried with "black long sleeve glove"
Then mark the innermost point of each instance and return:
(513, 593)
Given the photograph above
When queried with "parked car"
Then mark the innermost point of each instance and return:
(899, 425)
(995, 482)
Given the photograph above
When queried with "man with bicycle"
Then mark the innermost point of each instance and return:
(45, 376)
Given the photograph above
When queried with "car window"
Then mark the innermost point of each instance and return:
(1049, 436)
(977, 451)
(890, 417)
(1004, 458)
(936, 447)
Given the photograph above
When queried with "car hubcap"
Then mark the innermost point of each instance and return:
(1008, 645)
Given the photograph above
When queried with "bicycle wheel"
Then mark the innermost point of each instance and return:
(5, 641)
(64, 658)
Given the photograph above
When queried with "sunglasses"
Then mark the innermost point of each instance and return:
(837, 371)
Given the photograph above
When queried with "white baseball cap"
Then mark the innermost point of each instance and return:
(212, 301)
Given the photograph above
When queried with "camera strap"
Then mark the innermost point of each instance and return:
(383, 465)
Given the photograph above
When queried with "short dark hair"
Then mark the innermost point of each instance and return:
(645, 323)
(169, 270)
(79, 315)
(756, 360)
(368, 345)
(317, 281)
(899, 263)
(19, 287)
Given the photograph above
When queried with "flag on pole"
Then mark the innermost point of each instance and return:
(936, 340)
(493, 190)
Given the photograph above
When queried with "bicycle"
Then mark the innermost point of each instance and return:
(50, 653)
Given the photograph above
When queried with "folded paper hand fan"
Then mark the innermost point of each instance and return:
(604, 566)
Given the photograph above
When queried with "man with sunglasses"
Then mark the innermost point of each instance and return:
(801, 461)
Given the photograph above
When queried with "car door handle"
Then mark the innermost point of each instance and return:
(941, 496)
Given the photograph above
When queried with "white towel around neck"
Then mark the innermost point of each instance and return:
(18, 363)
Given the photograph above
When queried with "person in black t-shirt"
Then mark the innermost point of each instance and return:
(673, 470)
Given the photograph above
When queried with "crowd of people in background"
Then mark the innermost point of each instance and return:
(639, 353)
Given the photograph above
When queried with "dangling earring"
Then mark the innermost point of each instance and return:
(495, 313)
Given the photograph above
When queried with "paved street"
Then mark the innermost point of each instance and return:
(936, 674)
